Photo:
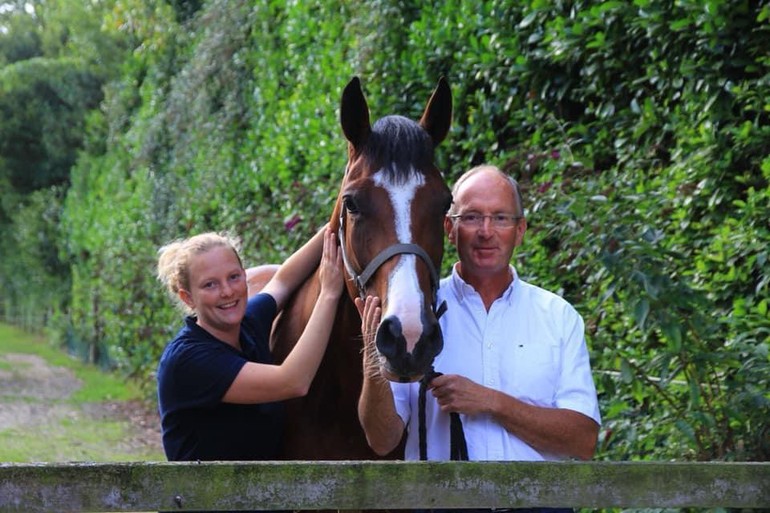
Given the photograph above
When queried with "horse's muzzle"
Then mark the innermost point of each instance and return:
(398, 364)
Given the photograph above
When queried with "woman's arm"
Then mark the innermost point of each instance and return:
(295, 270)
(259, 383)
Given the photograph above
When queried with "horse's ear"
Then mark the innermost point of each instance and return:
(354, 114)
(438, 113)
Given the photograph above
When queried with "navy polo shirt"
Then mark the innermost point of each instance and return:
(195, 371)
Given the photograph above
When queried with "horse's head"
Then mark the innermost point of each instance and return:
(389, 215)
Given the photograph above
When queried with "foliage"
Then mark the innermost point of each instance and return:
(39, 143)
(639, 132)
(19, 39)
(51, 80)
(35, 269)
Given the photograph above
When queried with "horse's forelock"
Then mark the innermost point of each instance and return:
(400, 146)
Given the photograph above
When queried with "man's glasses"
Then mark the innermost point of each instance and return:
(476, 220)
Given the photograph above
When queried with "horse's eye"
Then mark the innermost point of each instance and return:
(350, 205)
(448, 205)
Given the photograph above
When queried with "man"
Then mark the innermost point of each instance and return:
(514, 365)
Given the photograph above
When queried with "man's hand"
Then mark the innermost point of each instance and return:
(459, 394)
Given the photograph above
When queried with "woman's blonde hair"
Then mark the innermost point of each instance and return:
(174, 260)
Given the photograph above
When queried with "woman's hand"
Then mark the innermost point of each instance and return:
(331, 274)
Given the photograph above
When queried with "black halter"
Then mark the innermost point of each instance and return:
(383, 256)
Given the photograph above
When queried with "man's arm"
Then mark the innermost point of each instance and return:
(559, 431)
(376, 409)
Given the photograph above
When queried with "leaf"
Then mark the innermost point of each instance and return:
(641, 310)
(614, 409)
(626, 372)
(681, 24)
(611, 5)
(687, 430)
(528, 20)
(673, 335)
(762, 308)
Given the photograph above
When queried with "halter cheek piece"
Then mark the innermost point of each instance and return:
(386, 254)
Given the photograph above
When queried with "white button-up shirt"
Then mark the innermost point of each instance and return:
(530, 345)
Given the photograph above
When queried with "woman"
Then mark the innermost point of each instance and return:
(218, 390)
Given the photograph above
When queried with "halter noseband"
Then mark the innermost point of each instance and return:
(383, 256)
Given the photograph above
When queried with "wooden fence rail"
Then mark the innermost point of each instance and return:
(362, 485)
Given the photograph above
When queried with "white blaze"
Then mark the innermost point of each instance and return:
(405, 299)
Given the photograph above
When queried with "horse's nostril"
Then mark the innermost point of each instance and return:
(430, 344)
(390, 338)
(394, 328)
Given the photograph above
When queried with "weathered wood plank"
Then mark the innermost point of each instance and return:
(146, 486)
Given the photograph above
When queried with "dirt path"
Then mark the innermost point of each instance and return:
(39, 421)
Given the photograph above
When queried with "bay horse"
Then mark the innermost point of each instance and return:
(388, 217)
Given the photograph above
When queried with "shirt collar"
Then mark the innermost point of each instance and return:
(201, 334)
(462, 290)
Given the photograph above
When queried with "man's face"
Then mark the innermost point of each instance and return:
(485, 248)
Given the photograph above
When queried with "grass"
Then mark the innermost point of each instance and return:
(70, 441)
(79, 427)
(97, 385)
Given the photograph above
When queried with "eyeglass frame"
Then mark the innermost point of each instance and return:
(510, 217)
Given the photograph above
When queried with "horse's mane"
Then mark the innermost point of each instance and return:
(399, 146)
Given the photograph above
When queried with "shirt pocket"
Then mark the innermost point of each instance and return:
(530, 373)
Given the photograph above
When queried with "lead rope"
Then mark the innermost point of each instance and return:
(458, 449)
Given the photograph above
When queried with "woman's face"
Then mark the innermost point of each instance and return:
(218, 291)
